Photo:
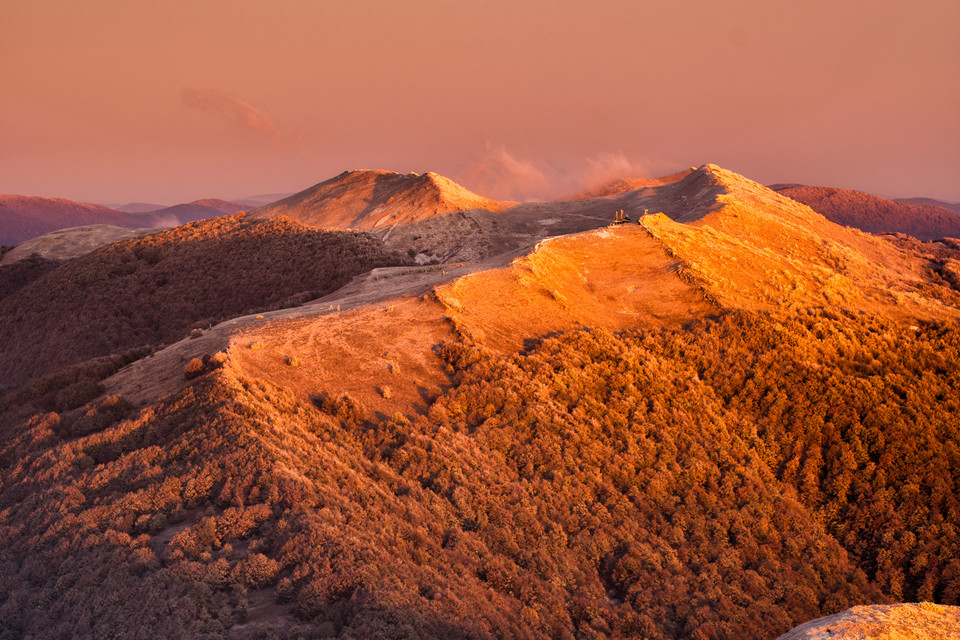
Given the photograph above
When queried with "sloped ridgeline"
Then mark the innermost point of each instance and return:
(731, 479)
(153, 290)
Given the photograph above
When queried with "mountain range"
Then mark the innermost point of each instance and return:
(26, 217)
(387, 406)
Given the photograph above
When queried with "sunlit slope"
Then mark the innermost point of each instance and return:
(757, 249)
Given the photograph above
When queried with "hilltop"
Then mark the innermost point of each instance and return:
(367, 200)
(722, 419)
(73, 242)
(196, 210)
(953, 206)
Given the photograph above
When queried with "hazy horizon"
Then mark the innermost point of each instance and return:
(116, 102)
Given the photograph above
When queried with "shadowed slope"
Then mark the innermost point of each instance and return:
(952, 206)
(26, 217)
(139, 207)
(196, 210)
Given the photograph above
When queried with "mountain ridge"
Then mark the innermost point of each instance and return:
(720, 419)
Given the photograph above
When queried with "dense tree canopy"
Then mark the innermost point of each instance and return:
(730, 479)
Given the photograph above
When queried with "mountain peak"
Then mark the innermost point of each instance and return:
(372, 199)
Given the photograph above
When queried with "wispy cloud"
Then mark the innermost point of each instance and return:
(605, 167)
(497, 173)
(235, 110)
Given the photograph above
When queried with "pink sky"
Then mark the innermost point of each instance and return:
(115, 101)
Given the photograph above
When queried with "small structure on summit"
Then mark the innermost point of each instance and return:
(621, 217)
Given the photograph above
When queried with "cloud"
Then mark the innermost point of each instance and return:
(605, 167)
(235, 110)
(497, 173)
(167, 221)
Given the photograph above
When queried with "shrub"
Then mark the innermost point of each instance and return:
(77, 395)
(193, 369)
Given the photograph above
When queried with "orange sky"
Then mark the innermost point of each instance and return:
(114, 101)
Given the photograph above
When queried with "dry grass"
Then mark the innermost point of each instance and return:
(923, 621)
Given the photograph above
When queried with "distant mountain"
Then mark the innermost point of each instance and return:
(196, 210)
(139, 207)
(25, 217)
(261, 199)
(953, 206)
(875, 214)
(370, 200)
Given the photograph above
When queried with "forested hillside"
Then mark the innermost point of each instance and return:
(728, 480)
(153, 290)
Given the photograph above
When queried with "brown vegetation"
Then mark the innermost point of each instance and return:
(727, 480)
(19, 274)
